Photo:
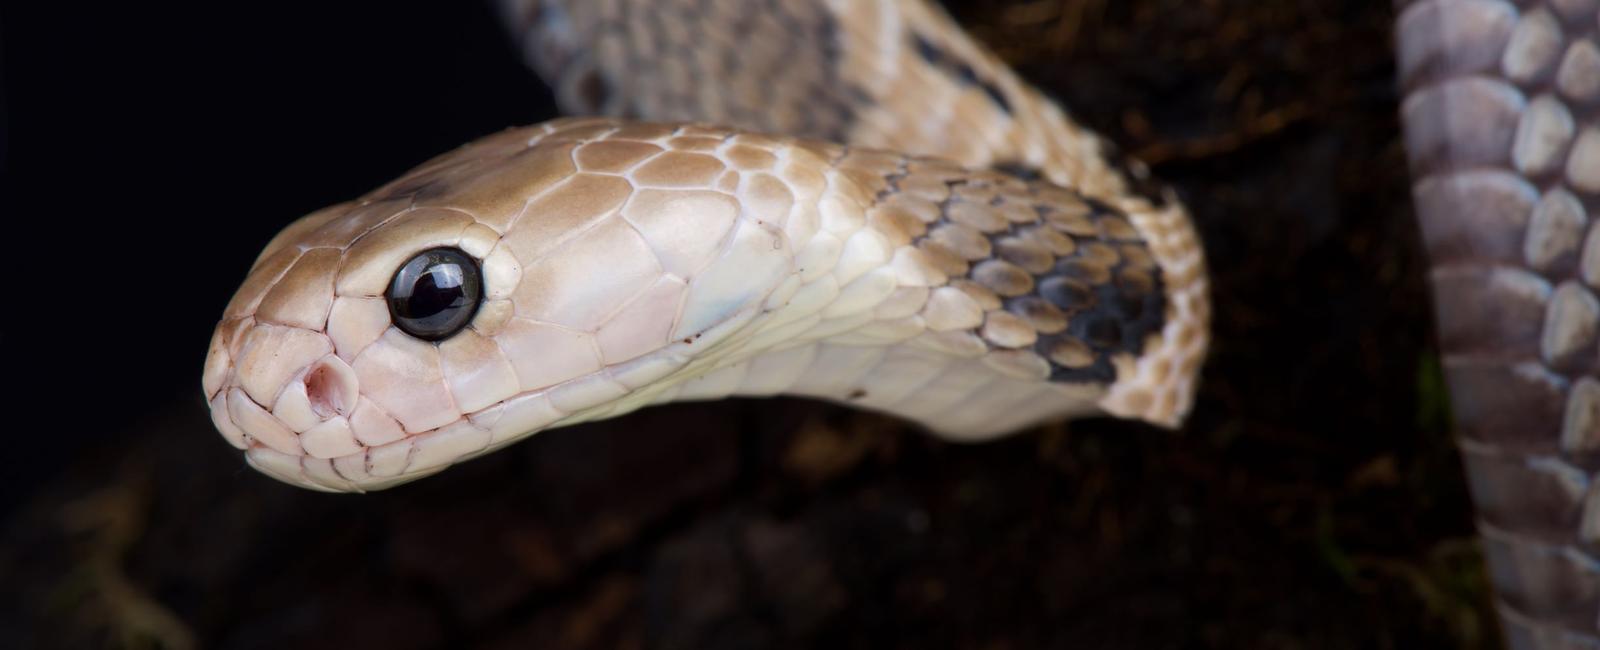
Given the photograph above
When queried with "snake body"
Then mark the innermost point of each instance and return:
(1504, 139)
(885, 215)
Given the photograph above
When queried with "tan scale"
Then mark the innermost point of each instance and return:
(628, 263)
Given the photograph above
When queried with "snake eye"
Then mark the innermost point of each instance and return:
(434, 294)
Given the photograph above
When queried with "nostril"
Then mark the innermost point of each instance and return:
(332, 388)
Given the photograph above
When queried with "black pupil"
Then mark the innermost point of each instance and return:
(438, 289)
(435, 294)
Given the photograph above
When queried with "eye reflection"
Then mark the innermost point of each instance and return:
(435, 294)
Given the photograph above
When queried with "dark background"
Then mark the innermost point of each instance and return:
(1313, 501)
(154, 148)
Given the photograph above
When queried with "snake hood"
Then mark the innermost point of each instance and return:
(583, 268)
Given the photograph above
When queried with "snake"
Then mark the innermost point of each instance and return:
(855, 201)
(1503, 135)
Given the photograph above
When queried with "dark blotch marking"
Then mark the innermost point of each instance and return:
(1133, 171)
(592, 89)
(1101, 208)
(1111, 317)
(857, 393)
(1131, 305)
(1069, 295)
(1111, 305)
(959, 69)
(1101, 332)
(1019, 169)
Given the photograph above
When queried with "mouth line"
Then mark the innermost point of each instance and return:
(424, 453)
(410, 458)
(415, 455)
(390, 463)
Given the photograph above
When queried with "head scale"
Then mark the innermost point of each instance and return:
(520, 282)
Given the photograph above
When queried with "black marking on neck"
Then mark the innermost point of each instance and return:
(955, 67)
(1107, 286)
(1110, 317)
(1019, 169)
(1136, 174)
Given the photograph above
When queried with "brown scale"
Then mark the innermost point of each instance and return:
(1062, 275)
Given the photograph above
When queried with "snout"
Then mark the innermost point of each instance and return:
(281, 388)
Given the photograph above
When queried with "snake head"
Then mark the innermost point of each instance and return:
(361, 325)
(498, 290)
